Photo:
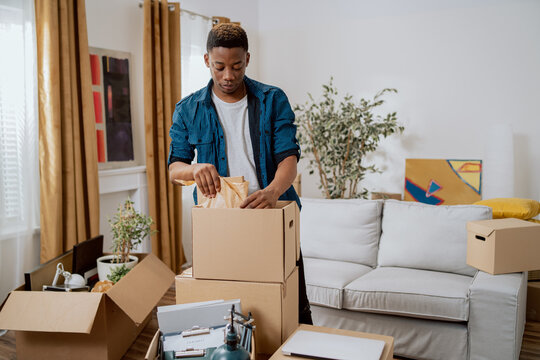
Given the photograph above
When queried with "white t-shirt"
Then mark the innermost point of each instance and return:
(234, 120)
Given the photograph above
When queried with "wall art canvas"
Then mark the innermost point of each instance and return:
(112, 105)
(443, 182)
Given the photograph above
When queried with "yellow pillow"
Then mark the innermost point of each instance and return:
(512, 207)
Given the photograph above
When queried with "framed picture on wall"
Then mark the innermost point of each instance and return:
(112, 107)
(443, 181)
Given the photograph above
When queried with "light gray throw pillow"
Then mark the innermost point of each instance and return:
(421, 236)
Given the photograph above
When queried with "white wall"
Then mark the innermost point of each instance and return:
(460, 66)
(244, 11)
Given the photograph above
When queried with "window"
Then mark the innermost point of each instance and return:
(18, 123)
(194, 31)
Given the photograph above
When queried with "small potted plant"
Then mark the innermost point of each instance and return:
(129, 228)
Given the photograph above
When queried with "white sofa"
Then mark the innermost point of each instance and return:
(398, 268)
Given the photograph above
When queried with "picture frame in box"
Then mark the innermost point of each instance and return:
(85, 255)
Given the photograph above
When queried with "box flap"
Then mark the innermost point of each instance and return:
(480, 228)
(152, 352)
(50, 311)
(289, 239)
(486, 227)
(292, 204)
(142, 288)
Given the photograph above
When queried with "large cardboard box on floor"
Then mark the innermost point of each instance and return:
(387, 354)
(260, 245)
(502, 246)
(273, 305)
(85, 325)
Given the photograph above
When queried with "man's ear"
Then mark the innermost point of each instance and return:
(207, 60)
(247, 59)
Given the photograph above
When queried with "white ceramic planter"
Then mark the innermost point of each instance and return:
(105, 268)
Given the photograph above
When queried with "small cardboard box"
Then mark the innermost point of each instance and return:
(388, 351)
(503, 246)
(260, 245)
(85, 325)
(273, 305)
(533, 301)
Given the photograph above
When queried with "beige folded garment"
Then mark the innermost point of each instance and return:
(234, 190)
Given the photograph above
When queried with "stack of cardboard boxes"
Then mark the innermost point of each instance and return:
(248, 255)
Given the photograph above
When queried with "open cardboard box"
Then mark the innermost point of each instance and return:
(502, 246)
(274, 305)
(84, 325)
(260, 245)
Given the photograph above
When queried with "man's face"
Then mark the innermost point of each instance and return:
(227, 67)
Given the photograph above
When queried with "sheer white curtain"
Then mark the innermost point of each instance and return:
(193, 32)
(195, 75)
(19, 174)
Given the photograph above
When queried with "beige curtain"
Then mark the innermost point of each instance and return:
(67, 135)
(161, 47)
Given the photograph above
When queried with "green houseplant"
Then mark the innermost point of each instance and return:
(129, 227)
(338, 136)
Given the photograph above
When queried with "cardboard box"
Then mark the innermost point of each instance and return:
(273, 305)
(83, 325)
(388, 351)
(533, 301)
(502, 246)
(260, 245)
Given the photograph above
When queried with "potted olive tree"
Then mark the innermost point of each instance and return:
(129, 228)
(339, 135)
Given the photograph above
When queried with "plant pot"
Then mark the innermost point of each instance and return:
(105, 266)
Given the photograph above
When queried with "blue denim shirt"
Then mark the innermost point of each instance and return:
(272, 130)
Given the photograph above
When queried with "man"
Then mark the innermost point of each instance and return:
(239, 127)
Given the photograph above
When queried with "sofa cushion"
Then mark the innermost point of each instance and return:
(325, 280)
(428, 237)
(345, 230)
(410, 292)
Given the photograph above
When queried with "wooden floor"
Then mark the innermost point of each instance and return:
(530, 349)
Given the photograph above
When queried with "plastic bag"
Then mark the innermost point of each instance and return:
(234, 190)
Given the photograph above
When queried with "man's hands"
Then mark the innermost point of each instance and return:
(207, 179)
(205, 176)
(261, 199)
(268, 197)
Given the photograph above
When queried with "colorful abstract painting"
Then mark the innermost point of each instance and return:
(443, 182)
(112, 105)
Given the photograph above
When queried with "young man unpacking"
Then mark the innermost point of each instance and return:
(240, 127)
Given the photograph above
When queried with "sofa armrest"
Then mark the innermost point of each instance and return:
(497, 305)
